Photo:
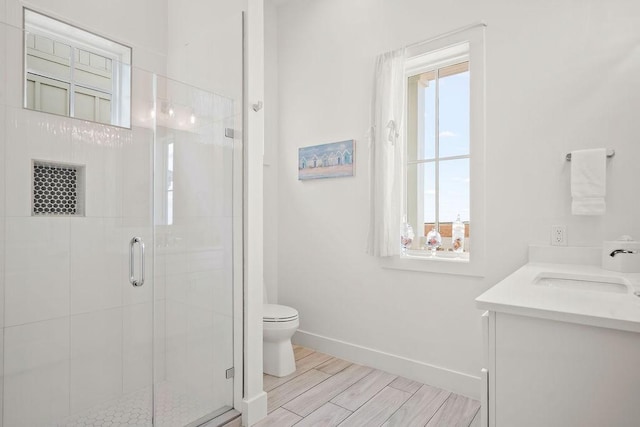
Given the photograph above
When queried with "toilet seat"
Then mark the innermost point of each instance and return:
(274, 313)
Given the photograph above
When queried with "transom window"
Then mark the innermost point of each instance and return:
(71, 72)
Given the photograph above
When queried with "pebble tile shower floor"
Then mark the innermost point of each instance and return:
(173, 409)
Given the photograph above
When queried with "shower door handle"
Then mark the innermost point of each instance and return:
(132, 277)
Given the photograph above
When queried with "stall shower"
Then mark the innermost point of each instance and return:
(117, 255)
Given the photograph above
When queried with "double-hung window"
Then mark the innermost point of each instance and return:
(438, 155)
(444, 155)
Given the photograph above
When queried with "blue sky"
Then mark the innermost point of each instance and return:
(454, 141)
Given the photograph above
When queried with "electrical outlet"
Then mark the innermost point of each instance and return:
(558, 235)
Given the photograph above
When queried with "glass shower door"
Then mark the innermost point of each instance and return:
(82, 340)
(193, 254)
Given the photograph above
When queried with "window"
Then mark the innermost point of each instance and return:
(438, 155)
(444, 154)
(74, 73)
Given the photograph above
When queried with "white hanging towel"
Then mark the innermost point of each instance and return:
(589, 181)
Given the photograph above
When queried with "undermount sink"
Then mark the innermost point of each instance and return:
(582, 282)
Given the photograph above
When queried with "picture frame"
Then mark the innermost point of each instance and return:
(332, 160)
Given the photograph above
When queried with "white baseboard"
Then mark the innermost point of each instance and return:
(254, 409)
(457, 382)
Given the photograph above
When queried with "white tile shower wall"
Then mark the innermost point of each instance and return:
(37, 276)
(159, 342)
(201, 352)
(3, 135)
(176, 331)
(78, 267)
(188, 165)
(193, 298)
(3, 11)
(97, 261)
(31, 135)
(96, 358)
(36, 373)
(100, 148)
(142, 100)
(176, 284)
(193, 250)
(2, 214)
(1, 371)
(205, 259)
(222, 336)
(160, 274)
(57, 265)
(195, 362)
(13, 13)
(202, 289)
(137, 347)
(136, 169)
(3, 64)
(12, 45)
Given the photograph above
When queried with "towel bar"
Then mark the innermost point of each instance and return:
(610, 153)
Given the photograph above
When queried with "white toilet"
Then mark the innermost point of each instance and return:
(279, 324)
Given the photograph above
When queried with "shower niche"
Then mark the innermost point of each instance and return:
(58, 189)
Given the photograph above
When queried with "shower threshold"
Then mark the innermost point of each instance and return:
(173, 407)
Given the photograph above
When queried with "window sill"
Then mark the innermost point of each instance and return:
(447, 256)
(442, 263)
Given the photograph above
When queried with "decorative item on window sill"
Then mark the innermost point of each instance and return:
(434, 240)
(406, 237)
(457, 236)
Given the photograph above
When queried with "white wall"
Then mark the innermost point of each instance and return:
(141, 24)
(204, 45)
(271, 201)
(561, 75)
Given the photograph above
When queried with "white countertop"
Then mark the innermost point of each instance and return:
(517, 294)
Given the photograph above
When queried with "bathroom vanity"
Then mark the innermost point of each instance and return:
(562, 347)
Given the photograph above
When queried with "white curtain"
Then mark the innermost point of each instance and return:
(387, 153)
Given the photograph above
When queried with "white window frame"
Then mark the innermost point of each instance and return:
(80, 39)
(470, 42)
(430, 63)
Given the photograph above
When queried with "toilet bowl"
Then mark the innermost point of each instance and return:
(279, 324)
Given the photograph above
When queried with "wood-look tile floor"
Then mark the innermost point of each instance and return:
(327, 391)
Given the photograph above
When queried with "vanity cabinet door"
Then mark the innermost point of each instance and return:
(558, 374)
(487, 362)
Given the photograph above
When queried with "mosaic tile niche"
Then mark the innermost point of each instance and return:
(58, 189)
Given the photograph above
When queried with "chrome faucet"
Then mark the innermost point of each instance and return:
(622, 251)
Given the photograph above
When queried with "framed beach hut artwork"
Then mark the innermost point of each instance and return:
(332, 160)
